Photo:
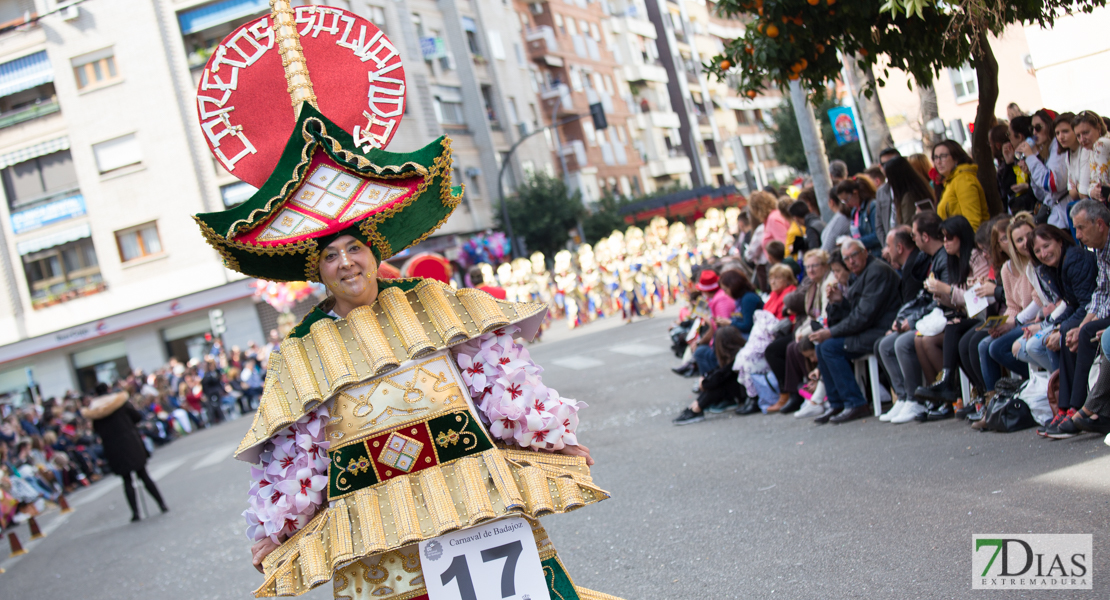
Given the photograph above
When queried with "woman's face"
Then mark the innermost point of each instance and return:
(842, 273)
(1041, 131)
(951, 244)
(1016, 138)
(849, 198)
(348, 269)
(943, 161)
(816, 270)
(1019, 238)
(1048, 251)
(1087, 135)
(1065, 136)
(778, 284)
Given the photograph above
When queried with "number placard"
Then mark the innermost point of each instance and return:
(494, 561)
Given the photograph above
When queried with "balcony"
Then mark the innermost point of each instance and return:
(574, 153)
(543, 45)
(557, 92)
(675, 165)
(27, 113)
(714, 160)
(662, 120)
(640, 27)
(645, 72)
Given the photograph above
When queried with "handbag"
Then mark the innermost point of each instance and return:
(1007, 413)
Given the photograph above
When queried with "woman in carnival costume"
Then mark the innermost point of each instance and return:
(398, 411)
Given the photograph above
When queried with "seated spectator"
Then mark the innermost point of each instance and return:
(1092, 227)
(940, 354)
(479, 281)
(750, 361)
(1020, 295)
(1048, 167)
(720, 387)
(857, 319)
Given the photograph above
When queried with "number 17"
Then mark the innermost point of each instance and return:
(459, 570)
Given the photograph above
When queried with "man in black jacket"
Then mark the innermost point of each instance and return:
(857, 319)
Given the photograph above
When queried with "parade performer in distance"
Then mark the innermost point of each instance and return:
(398, 411)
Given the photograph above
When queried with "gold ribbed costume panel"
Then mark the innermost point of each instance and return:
(483, 309)
(438, 308)
(404, 321)
(372, 340)
(427, 504)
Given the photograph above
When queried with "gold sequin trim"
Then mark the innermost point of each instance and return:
(404, 322)
(436, 305)
(483, 309)
(338, 367)
(371, 339)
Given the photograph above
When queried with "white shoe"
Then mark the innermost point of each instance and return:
(909, 412)
(809, 409)
(893, 412)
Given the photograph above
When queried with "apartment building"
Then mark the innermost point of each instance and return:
(103, 162)
(577, 64)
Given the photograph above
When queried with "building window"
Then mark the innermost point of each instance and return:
(62, 273)
(40, 179)
(471, 29)
(487, 101)
(964, 83)
(448, 105)
(105, 363)
(235, 194)
(117, 153)
(376, 15)
(96, 69)
(138, 242)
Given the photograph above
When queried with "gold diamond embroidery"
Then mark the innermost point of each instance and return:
(400, 452)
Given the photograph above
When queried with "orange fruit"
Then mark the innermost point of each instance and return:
(830, 2)
(863, 51)
(760, 28)
(752, 94)
(785, 19)
(820, 48)
(813, 2)
(748, 49)
(803, 63)
(772, 31)
(726, 64)
(793, 77)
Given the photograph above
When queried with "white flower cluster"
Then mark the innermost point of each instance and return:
(506, 386)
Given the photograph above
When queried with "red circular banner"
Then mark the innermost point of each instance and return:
(244, 108)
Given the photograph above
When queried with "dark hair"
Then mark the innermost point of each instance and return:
(957, 151)
(999, 136)
(1048, 117)
(928, 222)
(1022, 126)
(776, 250)
(476, 277)
(836, 258)
(876, 173)
(735, 283)
(904, 179)
(1090, 118)
(743, 216)
(1049, 232)
(795, 302)
(888, 151)
(809, 196)
(101, 389)
(799, 209)
(841, 207)
(903, 235)
(838, 168)
(959, 266)
(727, 343)
(1062, 118)
(858, 184)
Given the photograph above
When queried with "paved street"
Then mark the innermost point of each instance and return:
(735, 507)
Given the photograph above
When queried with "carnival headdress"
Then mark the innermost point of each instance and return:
(320, 167)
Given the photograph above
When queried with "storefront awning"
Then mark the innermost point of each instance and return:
(55, 239)
(41, 149)
(218, 13)
(25, 73)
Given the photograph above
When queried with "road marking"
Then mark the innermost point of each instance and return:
(637, 349)
(578, 363)
(216, 456)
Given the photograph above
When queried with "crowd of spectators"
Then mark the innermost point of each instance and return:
(914, 269)
(49, 448)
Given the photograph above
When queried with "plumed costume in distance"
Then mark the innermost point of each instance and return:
(412, 417)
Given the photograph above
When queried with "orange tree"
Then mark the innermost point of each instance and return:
(788, 40)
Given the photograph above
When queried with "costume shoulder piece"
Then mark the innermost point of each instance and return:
(334, 354)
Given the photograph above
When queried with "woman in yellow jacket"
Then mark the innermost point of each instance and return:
(963, 194)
